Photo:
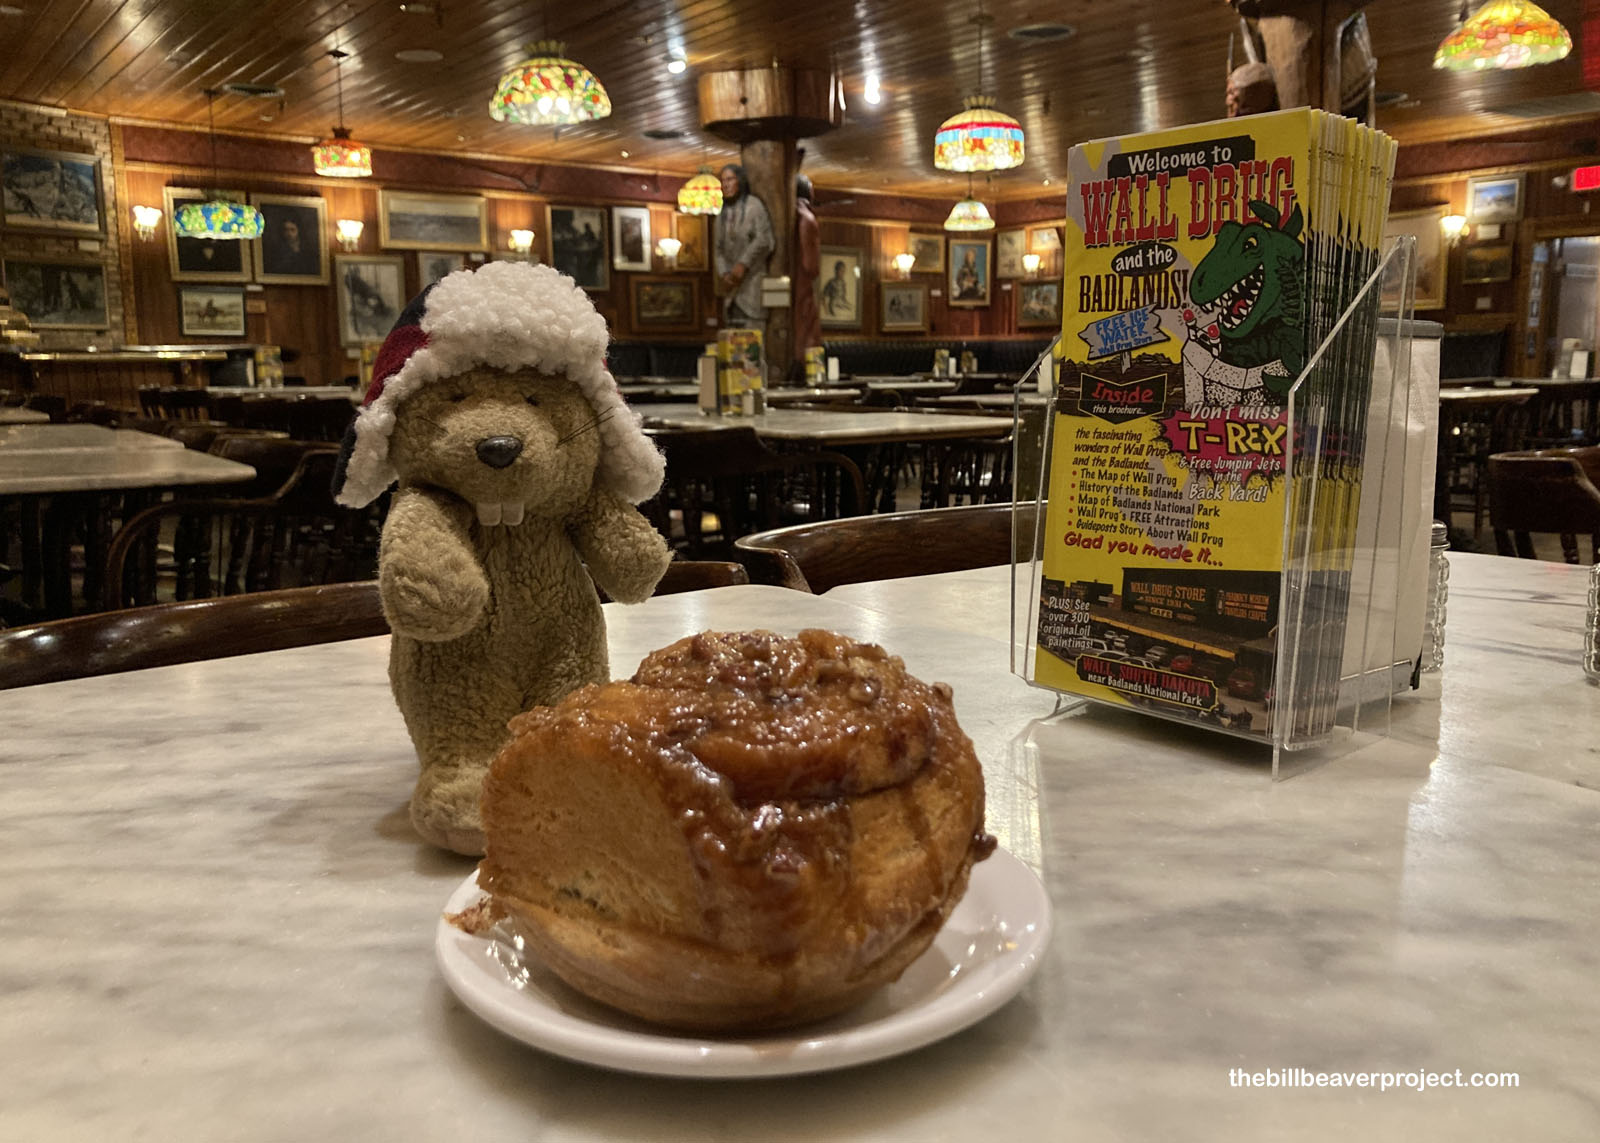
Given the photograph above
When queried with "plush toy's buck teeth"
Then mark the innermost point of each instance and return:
(494, 513)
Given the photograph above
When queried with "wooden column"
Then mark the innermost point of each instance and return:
(771, 165)
(1302, 43)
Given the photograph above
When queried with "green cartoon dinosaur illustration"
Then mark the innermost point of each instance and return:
(1254, 274)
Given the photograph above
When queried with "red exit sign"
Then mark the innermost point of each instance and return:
(1586, 179)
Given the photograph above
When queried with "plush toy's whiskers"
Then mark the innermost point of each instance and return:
(590, 427)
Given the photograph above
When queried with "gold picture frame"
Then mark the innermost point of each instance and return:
(970, 274)
(293, 247)
(410, 220)
(203, 259)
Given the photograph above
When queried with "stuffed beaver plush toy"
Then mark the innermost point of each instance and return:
(519, 467)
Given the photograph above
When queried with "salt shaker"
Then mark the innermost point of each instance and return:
(1591, 628)
(1438, 595)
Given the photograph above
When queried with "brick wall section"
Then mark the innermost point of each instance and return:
(80, 134)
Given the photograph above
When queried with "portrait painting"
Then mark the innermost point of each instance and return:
(432, 265)
(1009, 247)
(691, 230)
(630, 238)
(410, 221)
(372, 293)
(58, 295)
(905, 307)
(203, 259)
(664, 303)
(211, 311)
(971, 271)
(578, 244)
(839, 287)
(1494, 198)
(51, 190)
(1430, 262)
(928, 249)
(293, 247)
(1038, 304)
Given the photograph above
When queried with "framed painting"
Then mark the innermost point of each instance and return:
(1491, 263)
(1038, 304)
(1494, 198)
(1044, 239)
(410, 221)
(839, 287)
(971, 272)
(52, 190)
(203, 259)
(928, 249)
(691, 230)
(293, 247)
(433, 265)
(630, 238)
(1424, 226)
(211, 311)
(905, 307)
(1009, 247)
(372, 293)
(665, 304)
(59, 295)
(578, 240)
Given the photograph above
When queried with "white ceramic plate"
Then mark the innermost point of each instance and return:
(985, 953)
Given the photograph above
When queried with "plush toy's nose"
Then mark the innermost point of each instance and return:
(497, 452)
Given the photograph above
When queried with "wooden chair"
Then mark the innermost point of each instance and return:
(819, 557)
(726, 483)
(167, 633)
(1549, 490)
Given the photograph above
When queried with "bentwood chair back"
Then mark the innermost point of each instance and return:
(168, 633)
(819, 557)
(1550, 490)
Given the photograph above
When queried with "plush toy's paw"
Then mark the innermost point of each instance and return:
(444, 809)
(434, 607)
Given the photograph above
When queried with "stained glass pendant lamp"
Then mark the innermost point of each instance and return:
(979, 138)
(969, 214)
(1504, 34)
(701, 194)
(549, 89)
(216, 217)
(340, 156)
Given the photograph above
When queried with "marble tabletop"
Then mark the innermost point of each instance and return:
(833, 426)
(54, 438)
(33, 472)
(17, 415)
(218, 924)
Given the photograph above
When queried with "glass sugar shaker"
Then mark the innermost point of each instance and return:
(1438, 595)
(1591, 633)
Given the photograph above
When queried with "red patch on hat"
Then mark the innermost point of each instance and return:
(396, 350)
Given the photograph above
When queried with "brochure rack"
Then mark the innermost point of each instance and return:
(1348, 547)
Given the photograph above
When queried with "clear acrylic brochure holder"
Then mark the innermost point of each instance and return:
(1354, 532)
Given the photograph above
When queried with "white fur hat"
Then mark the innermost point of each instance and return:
(506, 315)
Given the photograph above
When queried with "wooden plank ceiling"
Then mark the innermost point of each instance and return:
(1133, 65)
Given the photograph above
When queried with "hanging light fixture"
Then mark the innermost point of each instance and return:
(701, 194)
(1504, 34)
(969, 214)
(217, 217)
(341, 157)
(979, 138)
(549, 89)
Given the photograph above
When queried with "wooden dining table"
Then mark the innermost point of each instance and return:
(64, 479)
(219, 924)
(833, 427)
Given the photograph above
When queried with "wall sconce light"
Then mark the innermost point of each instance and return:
(904, 262)
(1454, 228)
(1030, 264)
(145, 221)
(521, 242)
(668, 248)
(349, 232)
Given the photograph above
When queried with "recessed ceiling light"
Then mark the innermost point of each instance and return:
(419, 55)
(663, 133)
(416, 8)
(677, 65)
(624, 154)
(871, 92)
(1042, 33)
